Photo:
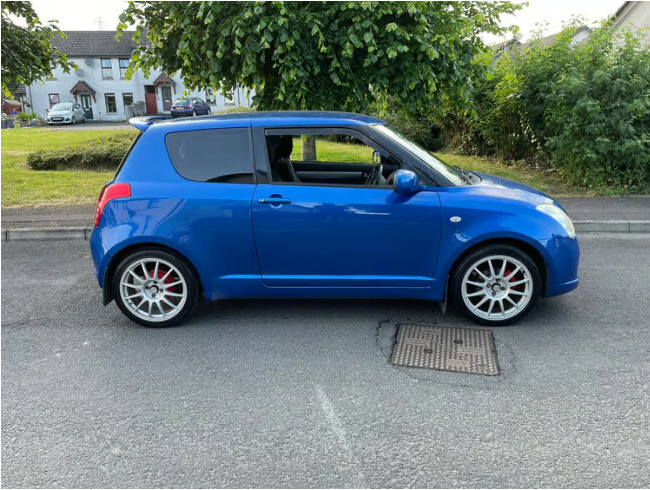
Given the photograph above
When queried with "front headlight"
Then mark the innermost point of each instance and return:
(560, 216)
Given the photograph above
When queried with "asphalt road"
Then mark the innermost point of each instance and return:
(301, 394)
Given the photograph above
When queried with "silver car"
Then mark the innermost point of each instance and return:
(66, 113)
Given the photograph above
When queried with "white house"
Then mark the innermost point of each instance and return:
(100, 86)
(634, 15)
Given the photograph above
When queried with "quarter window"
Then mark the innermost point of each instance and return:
(212, 155)
(111, 106)
(107, 69)
(124, 66)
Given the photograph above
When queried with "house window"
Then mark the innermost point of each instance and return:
(111, 106)
(127, 99)
(107, 69)
(229, 98)
(124, 65)
(210, 97)
(54, 99)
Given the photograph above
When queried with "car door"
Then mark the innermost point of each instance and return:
(329, 235)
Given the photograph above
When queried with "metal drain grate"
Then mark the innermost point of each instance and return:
(445, 349)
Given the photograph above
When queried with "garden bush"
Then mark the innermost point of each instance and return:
(582, 109)
(98, 154)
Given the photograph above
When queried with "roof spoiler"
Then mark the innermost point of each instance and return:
(142, 123)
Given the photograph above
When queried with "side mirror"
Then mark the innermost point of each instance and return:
(406, 182)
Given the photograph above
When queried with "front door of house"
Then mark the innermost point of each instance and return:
(166, 92)
(87, 105)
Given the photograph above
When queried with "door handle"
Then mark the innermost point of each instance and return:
(274, 200)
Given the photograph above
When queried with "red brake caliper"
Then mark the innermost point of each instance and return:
(512, 279)
(168, 279)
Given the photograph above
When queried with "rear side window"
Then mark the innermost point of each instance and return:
(212, 155)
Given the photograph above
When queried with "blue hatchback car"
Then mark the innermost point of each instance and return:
(229, 207)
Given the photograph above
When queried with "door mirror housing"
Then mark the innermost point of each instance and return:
(406, 182)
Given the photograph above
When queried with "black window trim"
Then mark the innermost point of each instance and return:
(250, 144)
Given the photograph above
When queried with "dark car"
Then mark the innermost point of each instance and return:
(189, 106)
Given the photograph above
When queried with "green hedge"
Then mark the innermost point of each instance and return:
(97, 154)
(582, 109)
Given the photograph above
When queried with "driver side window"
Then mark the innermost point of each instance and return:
(338, 157)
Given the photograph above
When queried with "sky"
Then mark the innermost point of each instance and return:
(103, 15)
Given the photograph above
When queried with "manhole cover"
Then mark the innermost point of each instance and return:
(461, 350)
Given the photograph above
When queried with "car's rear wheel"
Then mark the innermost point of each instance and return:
(84, 119)
(155, 288)
(496, 285)
(193, 113)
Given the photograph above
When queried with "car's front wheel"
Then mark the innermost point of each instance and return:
(155, 288)
(74, 121)
(496, 285)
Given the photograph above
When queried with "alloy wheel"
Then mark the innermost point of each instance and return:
(153, 289)
(497, 287)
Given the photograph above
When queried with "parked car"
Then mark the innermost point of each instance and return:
(66, 113)
(189, 106)
(222, 207)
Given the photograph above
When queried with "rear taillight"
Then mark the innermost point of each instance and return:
(108, 193)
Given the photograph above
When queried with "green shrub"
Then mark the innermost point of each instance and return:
(99, 154)
(25, 116)
(582, 109)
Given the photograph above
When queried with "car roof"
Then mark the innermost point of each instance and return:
(255, 119)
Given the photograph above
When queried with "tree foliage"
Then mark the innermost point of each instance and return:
(318, 55)
(27, 52)
(582, 108)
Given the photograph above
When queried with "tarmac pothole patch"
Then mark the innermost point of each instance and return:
(453, 349)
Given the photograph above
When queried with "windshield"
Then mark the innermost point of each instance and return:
(64, 106)
(453, 174)
(181, 101)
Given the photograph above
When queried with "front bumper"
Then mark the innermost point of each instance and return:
(563, 258)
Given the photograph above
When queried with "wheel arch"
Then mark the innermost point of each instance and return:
(135, 247)
(533, 252)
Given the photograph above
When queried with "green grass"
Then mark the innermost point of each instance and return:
(22, 186)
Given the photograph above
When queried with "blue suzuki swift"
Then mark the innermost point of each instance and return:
(318, 205)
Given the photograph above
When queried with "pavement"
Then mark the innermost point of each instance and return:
(301, 393)
(580, 209)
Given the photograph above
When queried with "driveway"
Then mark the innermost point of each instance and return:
(301, 394)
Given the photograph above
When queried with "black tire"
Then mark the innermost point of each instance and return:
(209, 112)
(74, 121)
(84, 119)
(190, 277)
(456, 282)
(193, 113)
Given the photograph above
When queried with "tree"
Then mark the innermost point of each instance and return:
(317, 55)
(27, 52)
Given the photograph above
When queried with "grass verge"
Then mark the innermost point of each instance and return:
(22, 186)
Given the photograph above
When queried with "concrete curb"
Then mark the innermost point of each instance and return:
(83, 233)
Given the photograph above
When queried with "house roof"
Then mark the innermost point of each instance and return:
(164, 79)
(81, 87)
(95, 43)
(621, 9)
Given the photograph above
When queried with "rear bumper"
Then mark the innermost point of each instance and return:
(177, 113)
